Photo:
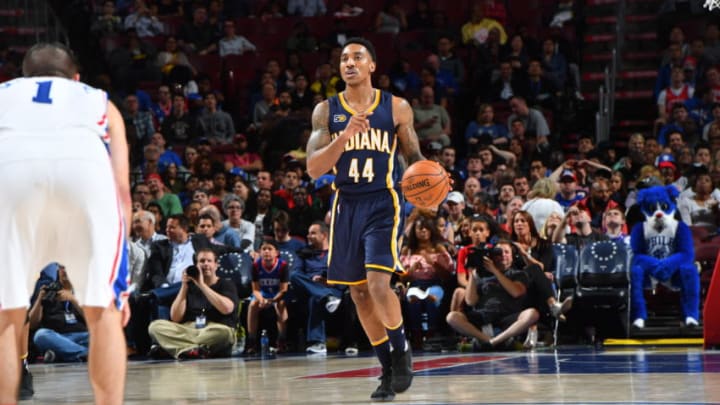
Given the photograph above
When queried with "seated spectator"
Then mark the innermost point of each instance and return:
(432, 121)
(598, 201)
(144, 231)
(615, 227)
(263, 107)
(475, 31)
(137, 122)
(326, 83)
(179, 127)
(287, 245)
(553, 62)
(221, 233)
(269, 284)
(677, 92)
(310, 284)
(480, 234)
(303, 212)
(541, 201)
(143, 22)
(168, 202)
(306, 8)
(421, 18)
(495, 297)
(61, 331)
(541, 89)
(568, 193)
(444, 77)
(449, 61)
(216, 125)
(533, 121)
(300, 39)
(242, 158)
(517, 53)
(391, 19)
(427, 263)
(700, 208)
(198, 36)
(582, 233)
(167, 156)
(664, 77)
(679, 121)
(507, 84)
(107, 23)
(203, 316)
(484, 124)
(233, 44)
(301, 94)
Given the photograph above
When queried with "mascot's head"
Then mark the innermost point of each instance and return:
(658, 205)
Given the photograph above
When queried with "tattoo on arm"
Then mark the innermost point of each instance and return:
(409, 143)
(320, 135)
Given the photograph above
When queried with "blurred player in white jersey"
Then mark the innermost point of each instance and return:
(66, 198)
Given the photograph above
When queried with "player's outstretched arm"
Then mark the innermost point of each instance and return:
(409, 144)
(323, 151)
(120, 160)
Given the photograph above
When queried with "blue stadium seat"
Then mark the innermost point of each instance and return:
(566, 266)
(237, 267)
(604, 274)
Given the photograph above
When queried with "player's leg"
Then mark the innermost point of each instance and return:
(107, 360)
(377, 334)
(11, 332)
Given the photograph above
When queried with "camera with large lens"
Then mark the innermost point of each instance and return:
(51, 291)
(193, 272)
(476, 256)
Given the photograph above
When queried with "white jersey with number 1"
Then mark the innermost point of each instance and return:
(59, 200)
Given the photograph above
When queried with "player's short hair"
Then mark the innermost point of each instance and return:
(364, 42)
(49, 59)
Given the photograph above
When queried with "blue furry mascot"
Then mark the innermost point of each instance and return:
(663, 249)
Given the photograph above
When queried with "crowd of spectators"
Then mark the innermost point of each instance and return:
(212, 172)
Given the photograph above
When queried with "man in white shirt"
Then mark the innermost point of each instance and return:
(232, 44)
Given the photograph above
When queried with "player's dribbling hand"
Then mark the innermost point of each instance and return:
(358, 123)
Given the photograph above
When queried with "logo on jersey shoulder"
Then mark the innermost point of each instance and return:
(339, 118)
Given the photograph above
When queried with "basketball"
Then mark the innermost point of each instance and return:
(425, 184)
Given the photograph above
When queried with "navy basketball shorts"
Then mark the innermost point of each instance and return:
(364, 233)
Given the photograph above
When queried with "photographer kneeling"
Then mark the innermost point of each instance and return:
(203, 315)
(494, 296)
(62, 334)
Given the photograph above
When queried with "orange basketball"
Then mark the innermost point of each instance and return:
(425, 184)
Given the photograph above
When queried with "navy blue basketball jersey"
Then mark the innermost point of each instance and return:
(370, 160)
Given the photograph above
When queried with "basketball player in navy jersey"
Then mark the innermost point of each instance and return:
(358, 134)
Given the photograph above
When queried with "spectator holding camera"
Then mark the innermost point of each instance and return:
(481, 232)
(494, 296)
(202, 316)
(61, 332)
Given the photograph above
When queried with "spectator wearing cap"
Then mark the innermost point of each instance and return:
(242, 158)
(455, 207)
(432, 121)
(568, 192)
(215, 124)
(234, 207)
(168, 202)
(667, 166)
(323, 192)
(484, 124)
